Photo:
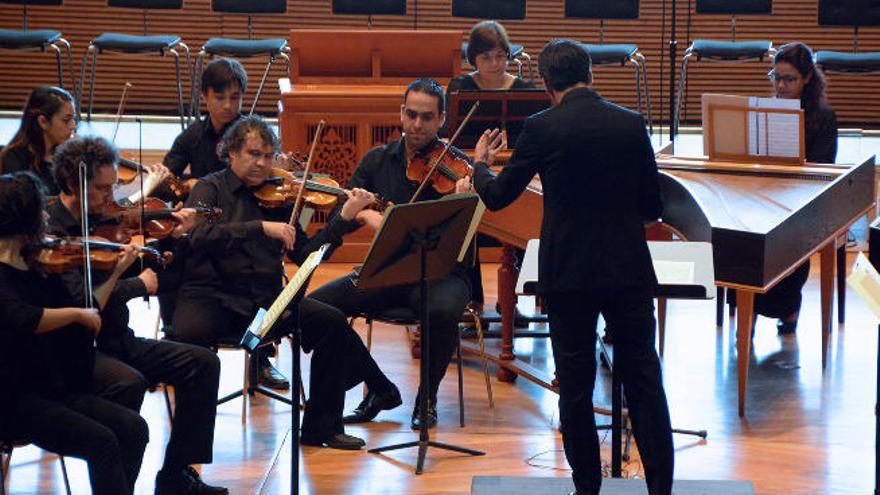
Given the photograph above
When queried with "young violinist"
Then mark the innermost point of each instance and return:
(223, 86)
(383, 171)
(47, 357)
(127, 365)
(47, 120)
(235, 268)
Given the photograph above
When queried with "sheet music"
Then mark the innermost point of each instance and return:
(774, 134)
(291, 289)
(472, 228)
(865, 280)
(674, 272)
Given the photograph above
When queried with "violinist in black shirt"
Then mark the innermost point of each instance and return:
(224, 83)
(234, 268)
(383, 171)
(47, 358)
(126, 365)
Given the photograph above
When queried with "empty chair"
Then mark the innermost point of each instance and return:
(137, 44)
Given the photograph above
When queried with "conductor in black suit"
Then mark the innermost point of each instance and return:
(600, 187)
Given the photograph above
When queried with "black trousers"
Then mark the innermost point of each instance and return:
(109, 437)
(573, 317)
(784, 299)
(339, 358)
(193, 371)
(448, 298)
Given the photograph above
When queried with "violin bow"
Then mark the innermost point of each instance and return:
(297, 205)
(439, 158)
(84, 214)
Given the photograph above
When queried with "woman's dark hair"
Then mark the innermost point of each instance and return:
(21, 206)
(813, 97)
(564, 63)
(486, 36)
(235, 137)
(45, 101)
(94, 151)
(223, 73)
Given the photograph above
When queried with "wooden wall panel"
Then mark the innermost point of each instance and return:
(854, 98)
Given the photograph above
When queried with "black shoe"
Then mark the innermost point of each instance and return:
(372, 404)
(269, 377)
(519, 320)
(339, 441)
(416, 423)
(785, 327)
(185, 482)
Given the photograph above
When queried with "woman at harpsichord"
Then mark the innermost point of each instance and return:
(795, 76)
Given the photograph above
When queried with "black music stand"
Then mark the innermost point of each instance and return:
(369, 8)
(505, 109)
(420, 242)
(251, 340)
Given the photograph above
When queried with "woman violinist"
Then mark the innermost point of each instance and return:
(47, 357)
(47, 120)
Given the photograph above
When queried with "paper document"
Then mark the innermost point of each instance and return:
(472, 228)
(291, 289)
(674, 272)
(865, 280)
(774, 134)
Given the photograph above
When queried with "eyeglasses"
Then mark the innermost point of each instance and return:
(495, 56)
(786, 79)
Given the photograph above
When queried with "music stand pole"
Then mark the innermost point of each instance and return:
(877, 424)
(673, 49)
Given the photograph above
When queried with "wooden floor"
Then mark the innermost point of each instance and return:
(806, 432)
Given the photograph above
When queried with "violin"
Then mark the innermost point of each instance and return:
(321, 193)
(119, 222)
(450, 168)
(58, 254)
(128, 172)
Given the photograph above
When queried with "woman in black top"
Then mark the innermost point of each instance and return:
(795, 76)
(488, 51)
(48, 119)
(47, 357)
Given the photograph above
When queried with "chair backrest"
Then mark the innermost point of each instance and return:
(734, 7)
(490, 9)
(602, 9)
(849, 13)
(370, 7)
(250, 6)
(146, 4)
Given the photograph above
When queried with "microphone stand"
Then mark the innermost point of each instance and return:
(673, 52)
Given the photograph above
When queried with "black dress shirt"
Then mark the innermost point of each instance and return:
(22, 159)
(231, 258)
(196, 147)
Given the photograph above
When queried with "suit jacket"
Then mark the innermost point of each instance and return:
(600, 185)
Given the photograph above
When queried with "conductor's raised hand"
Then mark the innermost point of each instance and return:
(490, 144)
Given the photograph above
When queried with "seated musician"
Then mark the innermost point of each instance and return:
(47, 120)
(235, 268)
(488, 51)
(127, 365)
(47, 357)
(383, 172)
(795, 76)
(224, 83)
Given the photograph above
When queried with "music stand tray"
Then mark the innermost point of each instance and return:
(417, 243)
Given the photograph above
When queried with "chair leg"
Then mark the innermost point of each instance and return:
(64, 474)
(4, 467)
(661, 323)
(92, 82)
(196, 88)
(72, 68)
(460, 382)
(246, 386)
(841, 282)
(647, 90)
(485, 362)
(638, 75)
(369, 346)
(82, 81)
(262, 84)
(681, 82)
(58, 64)
(719, 307)
(286, 58)
(168, 403)
(189, 70)
(179, 88)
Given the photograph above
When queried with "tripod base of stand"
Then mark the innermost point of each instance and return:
(254, 390)
(423, 450)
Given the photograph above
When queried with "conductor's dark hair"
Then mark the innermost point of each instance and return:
(564, 63)
(21, 206)
(95, 152)
(235, 137)
(223, 73)
(486, 36)
(430, 87)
